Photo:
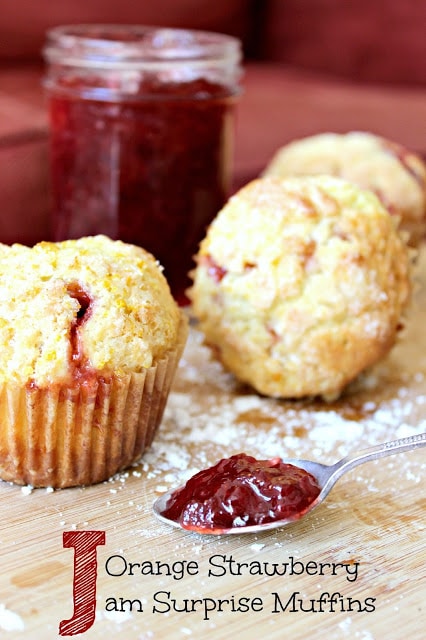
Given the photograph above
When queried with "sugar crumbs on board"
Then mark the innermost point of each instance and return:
(210, 416)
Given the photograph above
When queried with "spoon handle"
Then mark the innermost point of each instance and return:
(373, 453)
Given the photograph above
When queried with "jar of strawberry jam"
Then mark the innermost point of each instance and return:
(141, 135)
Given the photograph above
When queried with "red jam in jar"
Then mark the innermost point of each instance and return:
(141, 135)
(241, 491)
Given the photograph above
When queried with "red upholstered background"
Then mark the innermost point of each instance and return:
(311, 65)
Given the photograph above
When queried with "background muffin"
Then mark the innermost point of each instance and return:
(300, 284)
(89, 341)
(396, 175)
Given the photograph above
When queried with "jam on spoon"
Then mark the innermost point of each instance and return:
(241, 491)
(243, 495)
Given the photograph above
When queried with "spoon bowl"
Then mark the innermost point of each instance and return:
(325, 475)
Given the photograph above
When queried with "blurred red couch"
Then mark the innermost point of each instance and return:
(311, 65)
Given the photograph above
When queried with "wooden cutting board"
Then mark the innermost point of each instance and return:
(365, 544)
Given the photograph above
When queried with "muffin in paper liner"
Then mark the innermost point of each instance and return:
(62, 436)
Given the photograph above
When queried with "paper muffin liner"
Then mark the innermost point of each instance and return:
(65, 436)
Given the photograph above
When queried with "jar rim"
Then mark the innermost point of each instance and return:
(106, 44)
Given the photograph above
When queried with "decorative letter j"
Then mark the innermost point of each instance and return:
(84, 588)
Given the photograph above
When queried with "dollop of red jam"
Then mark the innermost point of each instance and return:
(82, 370)
(151, 170)
(241, 491)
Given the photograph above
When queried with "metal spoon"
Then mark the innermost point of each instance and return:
(326, 476)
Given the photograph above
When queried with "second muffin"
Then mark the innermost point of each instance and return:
(300, 284)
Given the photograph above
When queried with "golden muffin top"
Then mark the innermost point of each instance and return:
(395, 174)
(93, 301)
(300, 284)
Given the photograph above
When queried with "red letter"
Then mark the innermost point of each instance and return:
(84, 588)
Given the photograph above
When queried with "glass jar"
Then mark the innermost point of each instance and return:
(141, 135)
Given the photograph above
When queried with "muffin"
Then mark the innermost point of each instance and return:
(90, 339)
(300, 284)
(396, 175)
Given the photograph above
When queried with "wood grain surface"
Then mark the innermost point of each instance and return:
(365, 544)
